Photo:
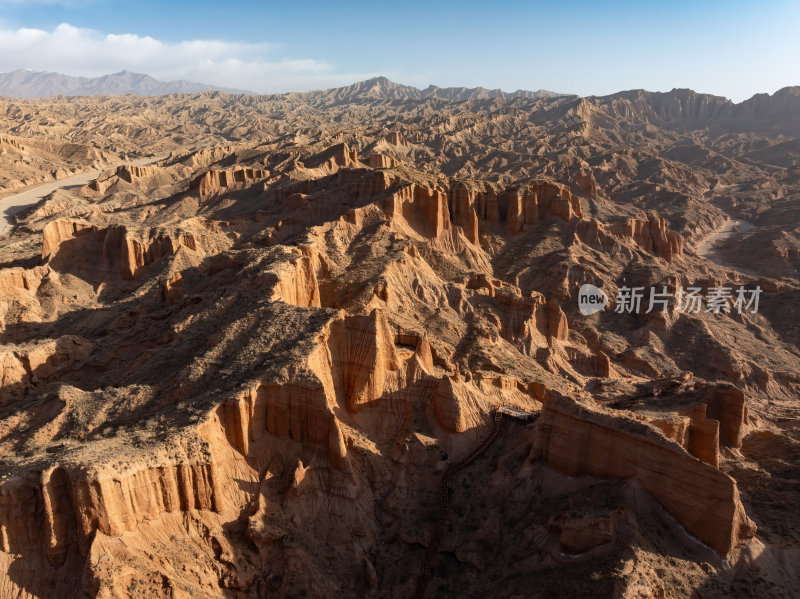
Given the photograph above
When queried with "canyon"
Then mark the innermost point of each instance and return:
(262, 345)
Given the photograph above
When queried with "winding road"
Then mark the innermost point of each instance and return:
(709, 247)
(12, 204)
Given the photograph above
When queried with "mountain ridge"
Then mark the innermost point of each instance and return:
(679, 108)
(687, 108)
(385, 88)
(23, 83)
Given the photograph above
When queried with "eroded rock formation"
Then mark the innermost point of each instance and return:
(215, 180)
(258, 358)
(579, 441)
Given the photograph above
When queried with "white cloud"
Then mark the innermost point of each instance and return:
(75, 51)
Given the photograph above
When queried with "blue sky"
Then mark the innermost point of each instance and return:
(734, 48)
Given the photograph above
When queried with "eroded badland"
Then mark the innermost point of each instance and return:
(243, 370)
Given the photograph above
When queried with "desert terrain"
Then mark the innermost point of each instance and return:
(329, 344)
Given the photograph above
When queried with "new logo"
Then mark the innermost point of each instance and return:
(591, 299)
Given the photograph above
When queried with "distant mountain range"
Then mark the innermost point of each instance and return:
(42, 84)
(680, 108)
(385, 89)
